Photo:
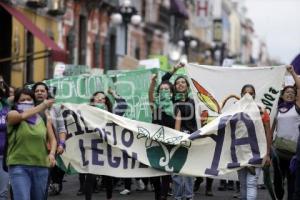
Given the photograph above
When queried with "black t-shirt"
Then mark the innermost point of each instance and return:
(161, 118)
(187, 109)
(188, 118)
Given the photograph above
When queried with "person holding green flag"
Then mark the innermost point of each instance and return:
(162, 108)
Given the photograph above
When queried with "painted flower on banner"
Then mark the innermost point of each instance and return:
(168, 154)
(209, 101)
(206, 97)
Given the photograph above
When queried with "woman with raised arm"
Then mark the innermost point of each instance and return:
(186, 123)
(162, 114)
(28, 158)
(287, 124)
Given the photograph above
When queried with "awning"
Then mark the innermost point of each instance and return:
(57, 53)
(178, 7)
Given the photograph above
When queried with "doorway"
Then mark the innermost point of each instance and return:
(5, 43)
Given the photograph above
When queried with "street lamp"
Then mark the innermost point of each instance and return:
(126, 14)
(187, 41)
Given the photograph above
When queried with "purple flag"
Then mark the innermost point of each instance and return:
(296, 64)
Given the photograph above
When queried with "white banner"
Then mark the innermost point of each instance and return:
(99, 142)
(211, 85)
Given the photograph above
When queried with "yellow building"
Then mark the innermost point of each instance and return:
(30, 54)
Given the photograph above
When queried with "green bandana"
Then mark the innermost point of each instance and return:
(180, 96)
(165, 95)
(165, 102)
(101, 106)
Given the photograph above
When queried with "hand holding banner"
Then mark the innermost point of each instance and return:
(100, 142)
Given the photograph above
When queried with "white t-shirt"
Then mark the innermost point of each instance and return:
(288, 124)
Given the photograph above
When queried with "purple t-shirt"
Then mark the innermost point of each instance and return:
(3, 113)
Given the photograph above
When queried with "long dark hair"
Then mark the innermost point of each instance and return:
(40, 83)
(19, 92)
(107, 101)
(166, 83)
(281, 101)
(179, 77)
(188, 87)
(288, 87)
(248, 86)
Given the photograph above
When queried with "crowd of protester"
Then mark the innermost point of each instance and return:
(32, 136)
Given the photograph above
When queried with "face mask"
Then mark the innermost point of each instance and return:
(165, 103)
(165, 95)
(101, 106)
(24, 106)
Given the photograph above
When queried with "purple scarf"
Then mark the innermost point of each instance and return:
(21, 107)
(285, 106)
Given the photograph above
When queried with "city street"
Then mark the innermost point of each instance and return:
(72, 184)
(140, 88)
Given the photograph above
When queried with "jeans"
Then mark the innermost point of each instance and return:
(3, 182)
(248, 183)
(183, 187)
(28, 182)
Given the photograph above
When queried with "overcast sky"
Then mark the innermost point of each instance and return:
(278, 23)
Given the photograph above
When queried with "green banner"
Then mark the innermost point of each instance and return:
(79, 89)
(133, 86)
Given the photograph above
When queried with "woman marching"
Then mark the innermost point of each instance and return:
(162, 114)
(101, 101)
(183, 186)
(248, 176)
(28, 158)
(287, 133)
